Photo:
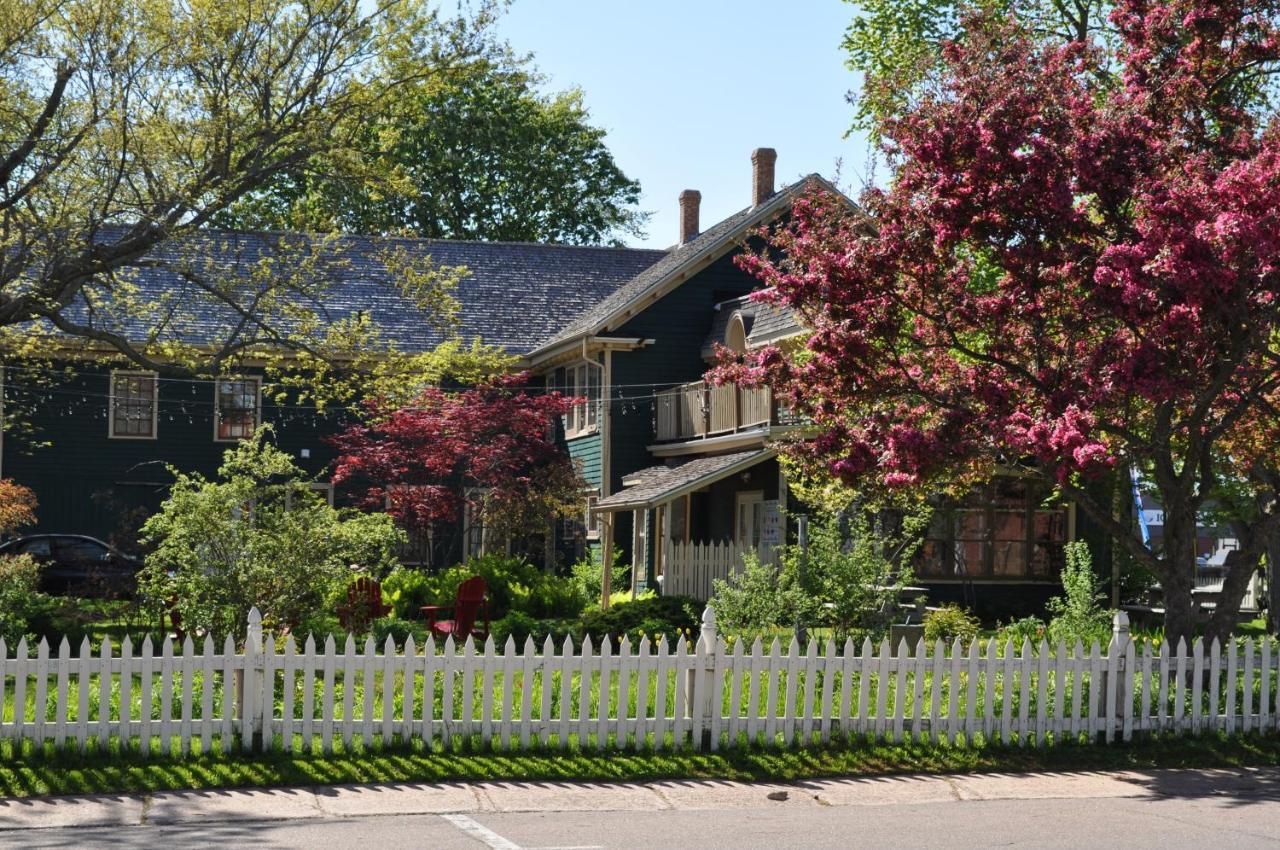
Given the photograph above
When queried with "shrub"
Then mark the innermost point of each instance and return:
(256, 537)
(20, 599)
(17, 507)
(588, 575)
(752, 601)
(949, 623)
(398, 630)
(849, 580)
(1028, 628)
(1077, 615)
(519, 626)
(658, 616)
(514, 585)
(406, 590)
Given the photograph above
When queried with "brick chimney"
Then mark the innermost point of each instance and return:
(690, 199)
(762, 162)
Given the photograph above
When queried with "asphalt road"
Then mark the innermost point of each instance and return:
(1130, 823)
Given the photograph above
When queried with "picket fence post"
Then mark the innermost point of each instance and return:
(1115, 697)
(702, 676)
(250, 693)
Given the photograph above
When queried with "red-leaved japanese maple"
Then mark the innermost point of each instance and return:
(491, 447)
(1063, 275)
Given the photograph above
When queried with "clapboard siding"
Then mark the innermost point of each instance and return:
(586, 454)
(678, 324)
(86, 481)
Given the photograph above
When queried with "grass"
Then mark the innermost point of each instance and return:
(31, 773)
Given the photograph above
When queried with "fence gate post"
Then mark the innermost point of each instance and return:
(1115, 688)
(249, 700)
(701, 677)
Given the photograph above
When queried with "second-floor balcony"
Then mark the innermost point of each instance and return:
(698, 410)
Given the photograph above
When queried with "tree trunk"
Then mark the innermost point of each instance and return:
(1273, 586)
(1222, 623)
(1177, 572)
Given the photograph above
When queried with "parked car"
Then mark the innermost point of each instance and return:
(77, 565)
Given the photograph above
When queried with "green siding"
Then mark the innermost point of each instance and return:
(678, 323)
(88, 483)
(586, 454)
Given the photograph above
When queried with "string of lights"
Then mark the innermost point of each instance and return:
(211, 381)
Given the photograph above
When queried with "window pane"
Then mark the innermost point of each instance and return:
(593, 396)
(1010, 525)
(237, 409)
(1009, 558)
(133, 405)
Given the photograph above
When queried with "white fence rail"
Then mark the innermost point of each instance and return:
(273, 696)
(690, 568)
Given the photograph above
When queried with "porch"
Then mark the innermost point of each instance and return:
(692, 522)
(700, 410)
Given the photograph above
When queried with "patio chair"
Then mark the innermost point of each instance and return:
(472, 600)
(364, 605)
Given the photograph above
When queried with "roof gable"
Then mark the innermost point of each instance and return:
(678, 265)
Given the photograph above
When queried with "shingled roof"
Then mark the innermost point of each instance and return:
(708, 245)
(515, 293)
(764, 323)
(662, 484)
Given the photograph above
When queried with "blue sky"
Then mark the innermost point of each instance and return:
(687, 89)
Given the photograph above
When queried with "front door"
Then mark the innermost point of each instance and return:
(750, 519)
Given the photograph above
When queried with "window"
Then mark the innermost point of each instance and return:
(750, 512)
(1003, 531)
(473, 530)
(133, 414)
(582, 381)
(324, 489)
(237, 408)
(591, 519)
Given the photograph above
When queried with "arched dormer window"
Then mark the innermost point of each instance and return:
(735, 336)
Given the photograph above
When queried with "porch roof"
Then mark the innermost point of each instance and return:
(662, 484)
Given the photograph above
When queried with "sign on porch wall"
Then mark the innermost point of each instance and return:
(771, 523)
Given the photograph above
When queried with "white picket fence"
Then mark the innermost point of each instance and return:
(275, 697)
(690, 568)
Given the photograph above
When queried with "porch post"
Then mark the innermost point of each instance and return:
(606, 560)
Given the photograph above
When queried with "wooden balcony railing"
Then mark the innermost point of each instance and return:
(698, 409)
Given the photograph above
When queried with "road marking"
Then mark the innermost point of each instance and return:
(482, 833)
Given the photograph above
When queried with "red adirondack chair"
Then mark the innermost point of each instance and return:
(473, 600)
(364, 605)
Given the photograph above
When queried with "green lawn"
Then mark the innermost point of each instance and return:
(26, 773)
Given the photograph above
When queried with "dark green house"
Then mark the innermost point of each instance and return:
(683, 476)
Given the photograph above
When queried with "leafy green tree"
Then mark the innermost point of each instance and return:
(478, 153)
(257, 536)
(895, 45)
(127, 127)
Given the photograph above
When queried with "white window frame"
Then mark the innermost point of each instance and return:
(217, 411)
(325, 487)
(473, 545)
(583, 419)
(591, 517)
(753, 500)
(155, 404)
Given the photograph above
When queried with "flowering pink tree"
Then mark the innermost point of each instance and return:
(1064, 276)
(491, 448)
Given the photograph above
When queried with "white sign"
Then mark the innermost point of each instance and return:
(770, 523)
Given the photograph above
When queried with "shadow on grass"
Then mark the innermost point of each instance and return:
(26, 772)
